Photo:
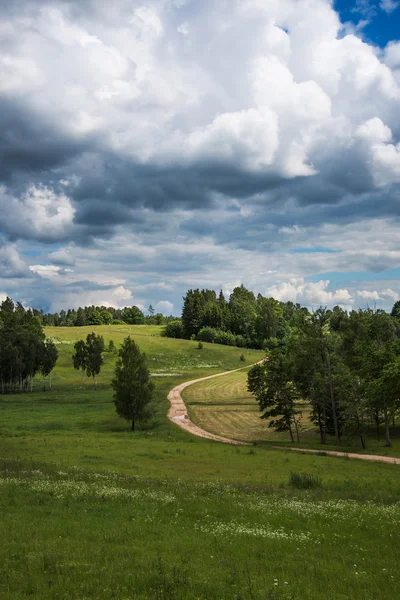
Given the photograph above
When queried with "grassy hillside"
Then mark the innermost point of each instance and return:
(90, 510)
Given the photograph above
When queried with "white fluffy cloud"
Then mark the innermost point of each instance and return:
(38, 213)
(118, 297)
(310, 294)
(157, 95)
(164, 307)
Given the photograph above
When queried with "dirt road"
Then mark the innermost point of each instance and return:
(179, 415)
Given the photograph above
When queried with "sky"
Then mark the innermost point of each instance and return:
(151, 147)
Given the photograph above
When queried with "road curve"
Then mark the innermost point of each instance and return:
(178, 414)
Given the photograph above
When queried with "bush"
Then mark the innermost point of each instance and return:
(242, 357)
(241, 341)
(304, 481)
(200, 346)
(173, 329)
(118, 322)
(207, 334)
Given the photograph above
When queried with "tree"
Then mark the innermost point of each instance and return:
(133, 388)
(242, 304)
(7, 305)
(151, 311)
(385, 390)
(396, 310)
(94, 348)
(79, 359)
(133, 316)
(276, 394)
(49, 359)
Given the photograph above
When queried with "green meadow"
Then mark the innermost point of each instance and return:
(90, 510)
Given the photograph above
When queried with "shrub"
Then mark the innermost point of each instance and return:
(118, 322)
(242, 357)
(173, 329)
(207, 334)
(304, 481)
(225, 338)
(200, 346)
(241, 341)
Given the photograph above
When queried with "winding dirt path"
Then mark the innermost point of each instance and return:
(178, 414)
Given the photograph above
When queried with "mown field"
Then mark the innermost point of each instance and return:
(224, 406)
(90, 510)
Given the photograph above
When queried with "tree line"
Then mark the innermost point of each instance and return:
(101, 315)
(345, 366)
(244, 320)
(24, 349)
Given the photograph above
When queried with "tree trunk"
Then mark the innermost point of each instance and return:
(334, 415)
(297, 430)
(387, 431)
(363, 442)
(95, 382)
(324, 424)
(133, 424)
(83, 377)
(378, 433)
(50, 381)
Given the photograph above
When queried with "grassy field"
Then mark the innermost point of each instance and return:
(225, 407)
(90, 510)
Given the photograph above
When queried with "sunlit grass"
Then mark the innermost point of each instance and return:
(90, 510)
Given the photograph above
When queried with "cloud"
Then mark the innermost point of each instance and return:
(11, 264)
(164, 307)
(310, 294)
(47, 271)
(389, 5)
(39, 214)
(78, 295)
(147, 145)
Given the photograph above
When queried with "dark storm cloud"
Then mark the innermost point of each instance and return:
(31, 147)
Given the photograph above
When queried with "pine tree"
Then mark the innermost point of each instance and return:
(133, 388)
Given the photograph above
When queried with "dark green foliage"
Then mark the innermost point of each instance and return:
(174, 329)
(244, 321)
(94, 348)
(79, 358)
(133, 316)
(200, 346)
(49, 358)
(275, 393)
(100, 315)
(396, 310)
(133, 388)
(24, 350)
(88, 356)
